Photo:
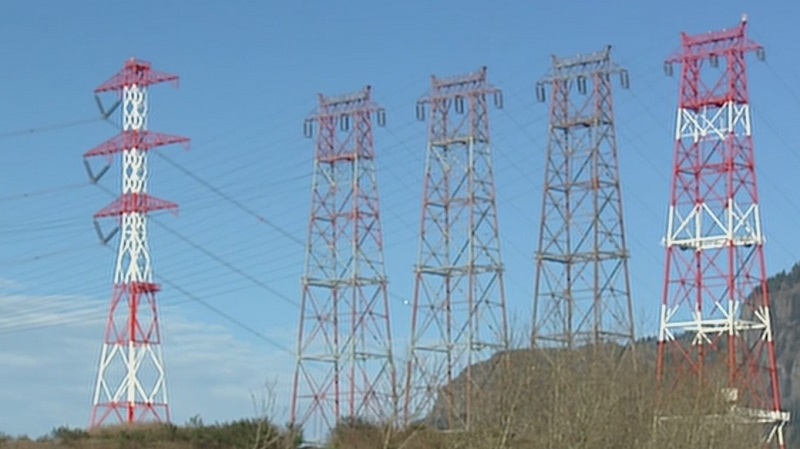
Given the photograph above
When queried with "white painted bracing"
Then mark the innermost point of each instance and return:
(690, 230)
(703, 328)
(133, 265)
(702, 227)
(713, 123)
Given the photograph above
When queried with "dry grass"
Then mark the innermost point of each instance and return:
(599, 398)
(242, 434)
(591, 399)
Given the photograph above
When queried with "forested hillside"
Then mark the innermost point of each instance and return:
(535, 395)
(785, 288)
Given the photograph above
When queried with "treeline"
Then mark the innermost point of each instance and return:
(244, 434)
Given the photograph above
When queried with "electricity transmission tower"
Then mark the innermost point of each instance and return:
(459, 313)
(582, 292)
(131, 380)
(715, 314)
(344, 368)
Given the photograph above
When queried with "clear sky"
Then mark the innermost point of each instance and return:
(250, 73)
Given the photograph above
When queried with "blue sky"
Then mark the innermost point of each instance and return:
(250, 73)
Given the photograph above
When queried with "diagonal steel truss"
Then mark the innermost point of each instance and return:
(459, 311)
(582, 283)
(344, 368)
(131, 378)
(715, 315)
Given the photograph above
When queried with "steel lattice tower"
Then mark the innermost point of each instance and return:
(582, 292)
(131, 385)
(344, 368)
(459, 313)
(716, 308)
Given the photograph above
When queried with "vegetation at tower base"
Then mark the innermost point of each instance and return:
(591, 398)
(240, 434)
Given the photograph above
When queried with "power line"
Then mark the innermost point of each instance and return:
(47, 191)
(238, 204)
(81, 314)
(229, 198)
(215, 257)
(45, 128)
(228, 317)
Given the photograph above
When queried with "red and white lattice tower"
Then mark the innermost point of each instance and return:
(130, 385)
(582, 284)
(459, 309)
(715, 314)
(344, 368)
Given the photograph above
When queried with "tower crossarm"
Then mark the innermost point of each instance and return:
(471, 84)
(136, 73)
(714, 44)
(345, 104)
(724, 48)
(141, 140)
(131, 203)
(583, 65)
